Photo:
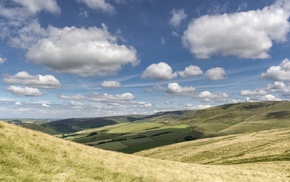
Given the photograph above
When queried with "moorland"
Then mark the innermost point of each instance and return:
(233, 142)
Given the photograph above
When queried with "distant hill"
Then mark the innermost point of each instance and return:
(28, 155)
(240, 118)
(71, 125)
(134, 133)
(76, 124)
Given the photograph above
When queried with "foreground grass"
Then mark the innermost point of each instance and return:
(32, 156)
(264, 146)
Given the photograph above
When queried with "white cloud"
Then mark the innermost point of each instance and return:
(160, 71)
(45, 105)
(253, 92)
(2, 60)
(24, 91)
(207, 96)
(259, 98)
(279, 87)
(73, 97)
(111, 99)
(83, 13)
(175, 34)
(177, 15)
(73, 103)
(18, 103)
(276, 87)
(244, 34)
(176, 89)
(195, 107)
(280, 72)
(157, 87)
(28, 35)
(27, 8)
(99, 4)
(125, 97)
(162, 41)
(39, 81)
(111, 84)
(83, 51)
(215, 74)
(190, 71)
(142, 104)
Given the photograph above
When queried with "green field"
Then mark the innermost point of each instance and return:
(132, 137)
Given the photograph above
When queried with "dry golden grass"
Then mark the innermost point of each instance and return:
(264, 146)
(32, 156)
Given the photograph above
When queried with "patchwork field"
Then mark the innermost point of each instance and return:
(132, 137)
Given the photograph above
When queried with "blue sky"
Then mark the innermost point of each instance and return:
(91, 58)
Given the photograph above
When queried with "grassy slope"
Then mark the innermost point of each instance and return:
(240, 118)
(162, 128)
(264, 146)
(32, 156)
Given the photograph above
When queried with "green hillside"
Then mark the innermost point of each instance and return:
(178, 126)
(28, 155)
(238, 118)
(264, 146)
(134, 133)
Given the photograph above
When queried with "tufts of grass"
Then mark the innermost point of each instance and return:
(31, 156)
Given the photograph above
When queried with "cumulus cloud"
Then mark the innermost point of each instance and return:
(244, 34)
(157, 87)
(279, 73)
(99, 4)
(215, 74)
(73, 97)
(208, 96)
(111, 84)
(177, 15)
(276, 87)
(27, 8)
(259, 98)
(195, 107)
(190, 71)
(18, 103)
(45, 105)
(142, 104)
(37, 81)
(176, 89)
(24, 91)
(253, 92)
(102, 98)
(2, 60)
(279, 87)
(125, 97)
(28, 35)
(160, 71)
(83, 51)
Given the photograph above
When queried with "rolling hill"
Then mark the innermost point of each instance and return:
(28, 155)
(134, 133)
(263, 146)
